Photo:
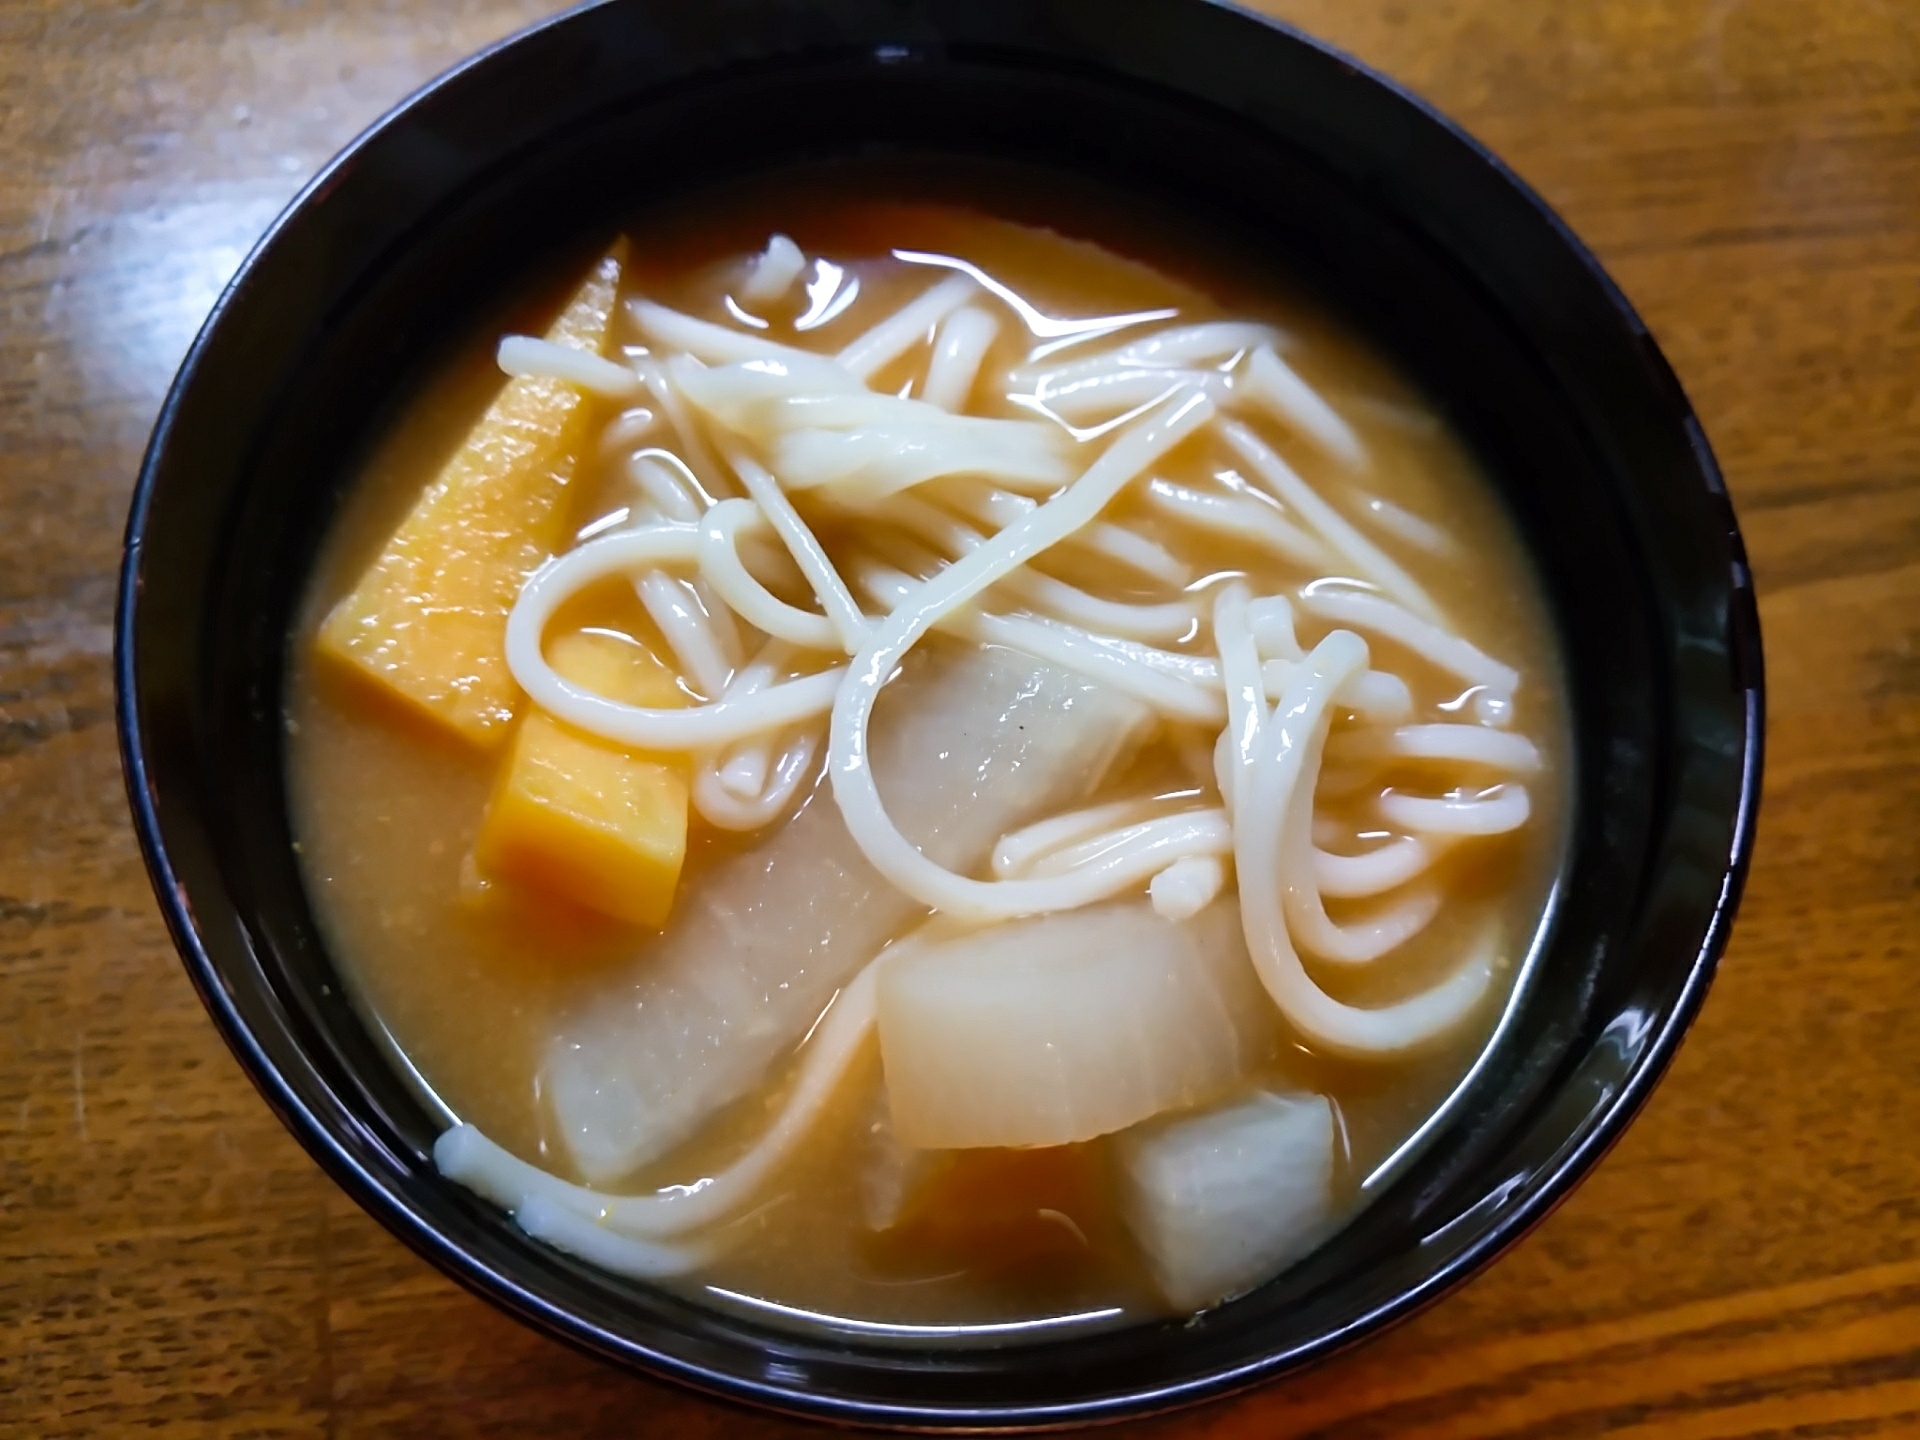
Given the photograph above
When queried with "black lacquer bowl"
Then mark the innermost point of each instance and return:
(1412, 228)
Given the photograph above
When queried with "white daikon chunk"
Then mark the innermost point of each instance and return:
(1057, 1029)
(1224, 1200)
(966, 746)
(891, 1174)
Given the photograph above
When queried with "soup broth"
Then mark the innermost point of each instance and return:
(486, 983)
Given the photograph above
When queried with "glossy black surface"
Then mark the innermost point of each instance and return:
(1417, 233)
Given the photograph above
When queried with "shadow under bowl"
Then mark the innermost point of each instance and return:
(1411, 228)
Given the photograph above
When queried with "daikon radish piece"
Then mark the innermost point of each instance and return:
(1059, 1028)
(892, 1174)
(1222, 1201)
(969, 745)
(773, 271)
(427, 622)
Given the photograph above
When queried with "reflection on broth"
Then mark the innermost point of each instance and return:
(977, 763)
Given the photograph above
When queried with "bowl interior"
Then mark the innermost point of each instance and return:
(1407, 227)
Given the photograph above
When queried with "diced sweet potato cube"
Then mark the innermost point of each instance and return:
(427, 622)
(579, 818)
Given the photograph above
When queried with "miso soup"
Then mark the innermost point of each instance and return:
(914, 747)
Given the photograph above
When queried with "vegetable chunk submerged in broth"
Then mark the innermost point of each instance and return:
(1066, 787)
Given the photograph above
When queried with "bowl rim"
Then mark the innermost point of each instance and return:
(1571, 1165)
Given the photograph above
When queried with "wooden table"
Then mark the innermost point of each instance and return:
(1746, 1263)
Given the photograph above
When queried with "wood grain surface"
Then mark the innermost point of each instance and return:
(1746, 1263)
